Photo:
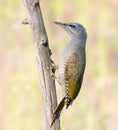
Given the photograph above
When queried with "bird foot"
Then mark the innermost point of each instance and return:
(53, 69)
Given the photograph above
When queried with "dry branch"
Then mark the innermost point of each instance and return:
(44, 61)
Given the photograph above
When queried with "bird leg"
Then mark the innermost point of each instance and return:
(53, 66)
(52, 69)
(52, 73)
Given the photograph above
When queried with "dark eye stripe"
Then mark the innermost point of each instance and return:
(72, 26)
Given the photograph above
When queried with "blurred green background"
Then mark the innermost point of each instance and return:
(96, 107)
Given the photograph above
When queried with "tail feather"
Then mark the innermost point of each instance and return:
(58, 110)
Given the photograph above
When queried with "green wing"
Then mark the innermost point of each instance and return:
(73, 76)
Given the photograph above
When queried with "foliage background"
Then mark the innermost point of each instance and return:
(20, 98)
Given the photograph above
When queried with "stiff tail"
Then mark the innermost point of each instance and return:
(58, 110)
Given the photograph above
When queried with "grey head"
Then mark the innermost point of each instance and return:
(75, 30)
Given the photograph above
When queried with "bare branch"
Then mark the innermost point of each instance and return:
(44, 62)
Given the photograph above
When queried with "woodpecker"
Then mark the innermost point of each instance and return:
(72, 64)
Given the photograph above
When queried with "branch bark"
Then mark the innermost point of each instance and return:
(35, 19)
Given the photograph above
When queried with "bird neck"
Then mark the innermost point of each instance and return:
(79, 42)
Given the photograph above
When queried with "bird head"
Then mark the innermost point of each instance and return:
(73, 29)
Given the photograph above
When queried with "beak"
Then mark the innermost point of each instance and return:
(61, 24)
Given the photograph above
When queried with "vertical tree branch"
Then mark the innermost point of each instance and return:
(35, 19)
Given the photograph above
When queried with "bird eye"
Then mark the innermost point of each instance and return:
(72, 26)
